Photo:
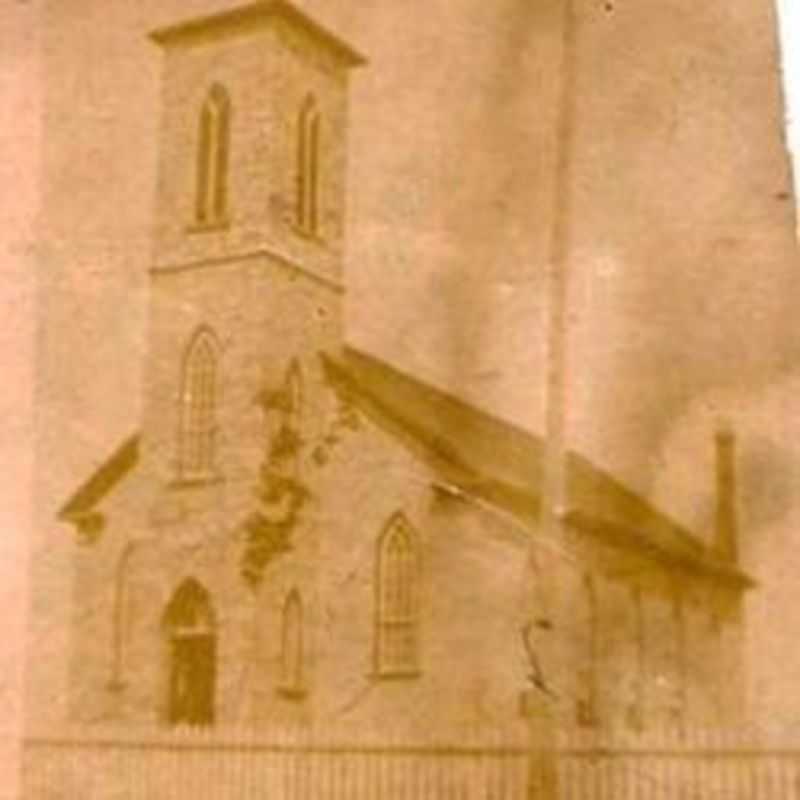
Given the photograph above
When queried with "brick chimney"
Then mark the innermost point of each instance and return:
(726, 531)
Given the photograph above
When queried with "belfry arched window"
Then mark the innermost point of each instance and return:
(308, 166)
(397, 634)
(198, 407)
(292, 677)
(189, 630)
(212, 157)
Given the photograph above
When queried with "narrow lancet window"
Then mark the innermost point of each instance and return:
(397, 601)
(292, 668)
(308, 167)
(198, 408)
(212, 158)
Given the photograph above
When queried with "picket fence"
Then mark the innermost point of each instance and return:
(313, 764)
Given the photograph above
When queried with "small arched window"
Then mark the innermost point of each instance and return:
(292, 677)
(199, 388)
(308, 157)
(397, 645)
(212, 158)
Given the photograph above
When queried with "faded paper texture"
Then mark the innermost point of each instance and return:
(408, 401)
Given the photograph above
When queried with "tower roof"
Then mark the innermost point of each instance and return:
(245, 19)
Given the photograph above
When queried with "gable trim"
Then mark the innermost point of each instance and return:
(81, 505)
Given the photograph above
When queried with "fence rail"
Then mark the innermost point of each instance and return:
(286, 764)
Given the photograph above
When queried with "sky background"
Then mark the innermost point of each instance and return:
(790, 17)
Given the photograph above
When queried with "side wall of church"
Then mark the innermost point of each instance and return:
(649, 641)
(662, 641)
(470, 573)
(469, 583)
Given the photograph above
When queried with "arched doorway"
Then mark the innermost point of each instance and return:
(191, 656)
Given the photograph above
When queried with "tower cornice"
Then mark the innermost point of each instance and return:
(252, 17)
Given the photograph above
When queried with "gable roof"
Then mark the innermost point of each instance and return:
(480, 454)
(244, 19)
(102, 481)
(503, 463)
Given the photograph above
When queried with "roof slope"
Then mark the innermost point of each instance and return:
(504, 463)
(480, 454)
(110, 473)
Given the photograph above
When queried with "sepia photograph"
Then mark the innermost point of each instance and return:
(401, 400)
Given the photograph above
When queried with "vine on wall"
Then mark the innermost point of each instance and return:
(345, 420)
(280, 494)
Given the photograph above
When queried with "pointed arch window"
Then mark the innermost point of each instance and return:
(122, 617)
(189, 629)
(199, 390)
(212, 158)
(308, 166)
(292, 667)
(397, 645)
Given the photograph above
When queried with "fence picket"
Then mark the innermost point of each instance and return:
(331, 764)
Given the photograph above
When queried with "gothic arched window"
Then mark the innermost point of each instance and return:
(212, 158)
(292, 678)
(198, 400)
(189, 628)
(308, 157)
(397, 601)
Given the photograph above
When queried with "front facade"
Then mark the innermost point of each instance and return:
(300, 532)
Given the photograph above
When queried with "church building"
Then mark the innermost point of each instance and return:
(301, 532)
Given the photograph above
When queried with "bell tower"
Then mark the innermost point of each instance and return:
(253, 139)
(249, 224)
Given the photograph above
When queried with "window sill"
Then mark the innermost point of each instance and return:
(310, 236)
(293, 692)
(195, 482)
(397, 675)
(209, 227)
